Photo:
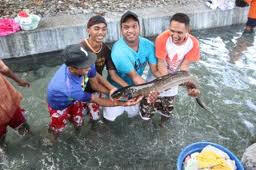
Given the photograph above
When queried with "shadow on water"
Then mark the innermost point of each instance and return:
(226, 87)
(241, 45)
(34, 62)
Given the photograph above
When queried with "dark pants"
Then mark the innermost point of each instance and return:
(251, 22)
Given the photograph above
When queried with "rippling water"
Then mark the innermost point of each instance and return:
(227, 75)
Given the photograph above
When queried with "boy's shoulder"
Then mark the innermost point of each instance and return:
(146, 42)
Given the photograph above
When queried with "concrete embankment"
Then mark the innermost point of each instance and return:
(55, 33)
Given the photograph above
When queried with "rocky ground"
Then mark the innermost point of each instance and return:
(45, 8)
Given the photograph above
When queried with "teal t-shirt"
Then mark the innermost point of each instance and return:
(127, 60)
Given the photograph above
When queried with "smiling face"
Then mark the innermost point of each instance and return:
(97, 32)
(179, 32)
(130, 30)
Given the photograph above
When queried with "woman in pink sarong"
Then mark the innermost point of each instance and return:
(11, 114)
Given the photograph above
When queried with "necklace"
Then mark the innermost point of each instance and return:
(89, 45)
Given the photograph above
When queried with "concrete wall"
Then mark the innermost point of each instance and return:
(57, 32)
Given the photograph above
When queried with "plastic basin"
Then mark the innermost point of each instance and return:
(197, 147)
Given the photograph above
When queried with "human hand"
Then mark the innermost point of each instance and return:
(151, 98)
(193, 92)
(111, 92)
(190, 85)
(23, 83)
(133, 101)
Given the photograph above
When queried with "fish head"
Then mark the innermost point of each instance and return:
(117, 94)
(125, 92)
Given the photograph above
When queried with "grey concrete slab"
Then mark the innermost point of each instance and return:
(57, 32)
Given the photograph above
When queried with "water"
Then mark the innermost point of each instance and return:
(227, 78)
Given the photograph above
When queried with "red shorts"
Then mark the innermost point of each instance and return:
(17, 120)
(59, 118)
(93, 108)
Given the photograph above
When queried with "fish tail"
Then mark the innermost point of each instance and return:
(201, 104)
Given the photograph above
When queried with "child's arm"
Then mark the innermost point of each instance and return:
(8, 72)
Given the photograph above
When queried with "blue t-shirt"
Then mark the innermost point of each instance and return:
(127, 60)
(65, 88)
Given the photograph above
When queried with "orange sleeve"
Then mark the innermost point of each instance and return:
(160, 45)
(252, 10)
(194, 54)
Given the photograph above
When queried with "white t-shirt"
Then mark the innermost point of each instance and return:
(175, 56)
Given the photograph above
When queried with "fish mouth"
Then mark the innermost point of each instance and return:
(117, 94)
(121, 92)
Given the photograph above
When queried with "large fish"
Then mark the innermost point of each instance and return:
(159, 85)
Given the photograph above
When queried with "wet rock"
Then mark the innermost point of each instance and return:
(249, 158)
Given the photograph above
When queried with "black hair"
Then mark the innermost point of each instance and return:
(181, 17)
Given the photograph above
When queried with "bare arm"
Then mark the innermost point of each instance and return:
(8, 72)
(162, 67)
(154, 70)
(185, 65)
(137, 79)
(96, 85)
(104, 82)
(191, 90)
(114, 76)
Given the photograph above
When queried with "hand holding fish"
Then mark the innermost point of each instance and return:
(193, 92)
(111, 92)
(192, 89)
(151, 98)
(23, 83)
(133, 101)
(189, 84)
(159, 85)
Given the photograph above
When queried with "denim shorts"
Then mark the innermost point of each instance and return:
(251, 22)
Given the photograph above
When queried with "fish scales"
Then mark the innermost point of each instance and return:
(159, 85)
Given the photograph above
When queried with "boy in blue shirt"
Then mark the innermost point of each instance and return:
(131, 54)
(66, 95)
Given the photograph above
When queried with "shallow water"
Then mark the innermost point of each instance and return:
(227, 75)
